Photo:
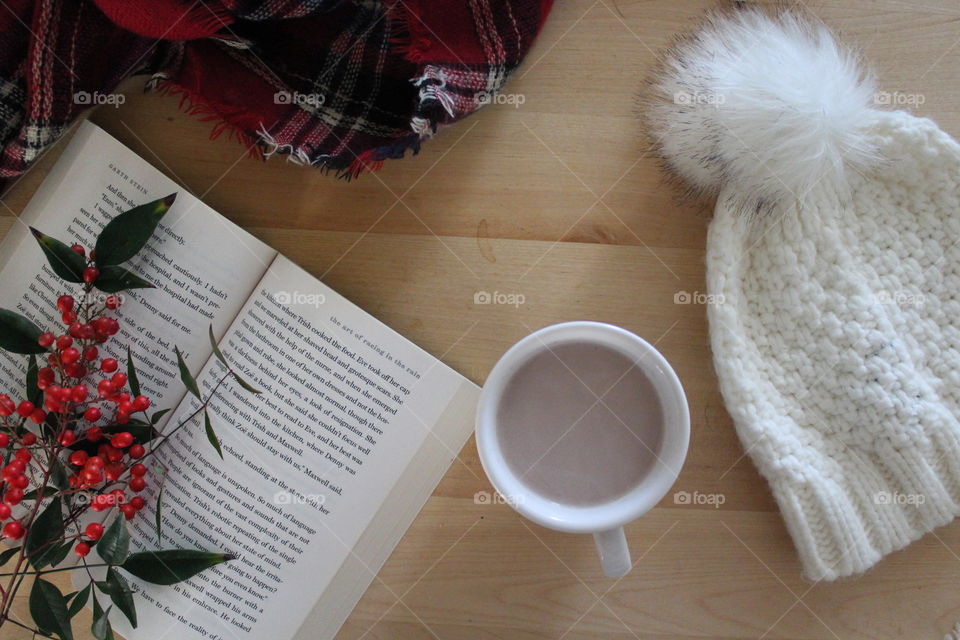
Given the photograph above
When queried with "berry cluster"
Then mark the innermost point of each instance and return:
(85, 404)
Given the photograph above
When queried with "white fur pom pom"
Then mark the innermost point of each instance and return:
(770, 105)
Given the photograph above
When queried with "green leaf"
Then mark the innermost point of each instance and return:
(114, 545)
(171, 566)
(54, 554)
(98, 614)
(40, 544)
(79, 600)
(243, 383)
(48, 608)
(7, 554)
(58, 475)
(216, 348)
(155, 418)
(185, 375)
(115, 279)
(101, 624)
(18, 334)
(65, 262)
(156, 516)
(211, 436)
(127, 233)
(132, 374)
(120, 594)
(48, 492)
(34, 392)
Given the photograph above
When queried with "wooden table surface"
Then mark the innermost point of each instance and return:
(559, 199)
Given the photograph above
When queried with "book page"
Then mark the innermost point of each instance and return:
(350, 412)
(203, 266)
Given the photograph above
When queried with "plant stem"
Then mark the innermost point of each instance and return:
(44, 572)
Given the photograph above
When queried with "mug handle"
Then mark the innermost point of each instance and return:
(614, 553)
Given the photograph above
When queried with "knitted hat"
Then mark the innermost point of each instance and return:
(833, 259)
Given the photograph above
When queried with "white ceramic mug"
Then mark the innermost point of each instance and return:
(604, 520)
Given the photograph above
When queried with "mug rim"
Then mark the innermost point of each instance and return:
(654, 485)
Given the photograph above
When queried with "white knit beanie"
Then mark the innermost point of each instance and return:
(834, 266)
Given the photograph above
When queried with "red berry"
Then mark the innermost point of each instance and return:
(12, 530)
(23, 455)
(64, 342)
(136, 452)
(94, 433)
(29, 439)
(119, 379)
(137, 483)
(4, 441)
(17, 466)
(69, 356)
(13, 496)
(137, 502)
(90, 275)
(105, 389)
(138, 469)
(38, 416)
(25, 408)
(78, 458)
(109, 365)
(68, 437)
(79, 393)
(78, 248)
(94, 462)
(7, 406)
(113, 472)
(46, 340)
(5, 511)
(128, 511)
(87, 332)
(21, 482)
(82, 549)
(92, 476)
(122, 440)
(94, 530)
(68, 317)
(113, 454)
(141, 403)
(65, 304)
(92, 414)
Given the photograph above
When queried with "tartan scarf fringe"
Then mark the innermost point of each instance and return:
(391, 73)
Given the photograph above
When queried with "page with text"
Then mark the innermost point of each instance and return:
(202, 265)
(346, 405)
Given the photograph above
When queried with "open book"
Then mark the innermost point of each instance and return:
(322, 473)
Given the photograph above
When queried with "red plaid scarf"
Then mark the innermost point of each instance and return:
(339, 84)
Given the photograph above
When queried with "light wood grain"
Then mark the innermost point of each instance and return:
(560, 200)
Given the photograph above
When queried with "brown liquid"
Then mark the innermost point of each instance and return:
(562, 442)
